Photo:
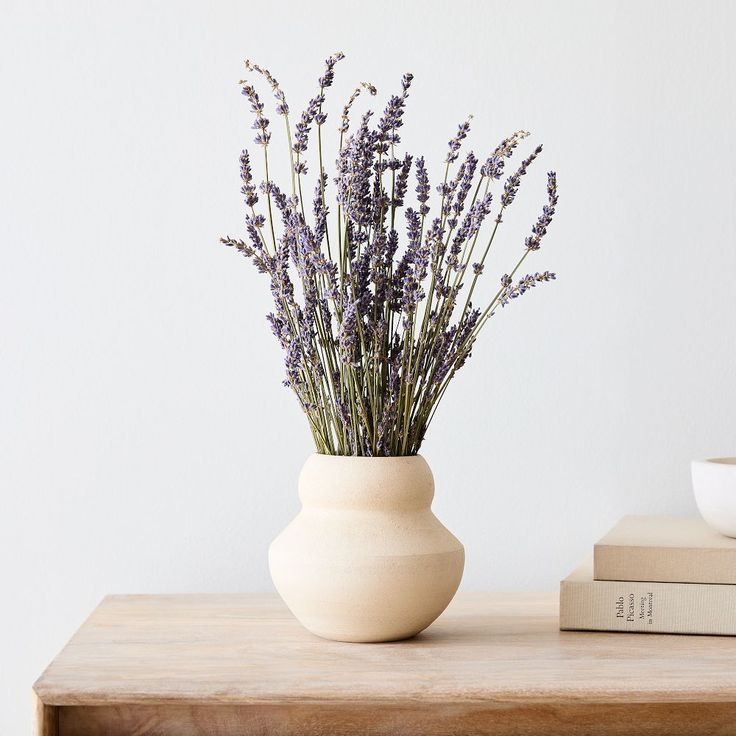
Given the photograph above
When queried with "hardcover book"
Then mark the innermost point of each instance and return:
(662, 608)
(667, 549)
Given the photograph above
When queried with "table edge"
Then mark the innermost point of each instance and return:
(541, 697)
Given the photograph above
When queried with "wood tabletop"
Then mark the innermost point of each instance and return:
(492, 663)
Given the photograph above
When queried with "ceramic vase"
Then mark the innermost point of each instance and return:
(366, 560)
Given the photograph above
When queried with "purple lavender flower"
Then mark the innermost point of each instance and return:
(512, 291)
(540, 228)
(422, 186)
(320, 209)
(354, 184)
(348, 336)
(417, 256)
(246, 174)
(472, 222)
(345, 118)
(293, 363)
(261, 123)
(494, 165)
(466, 175)
(392, 118)
(328, 77)
(454, 145)
(302, 128)
(511, 187)
(402, 181)
(373, 332)
(282, 108)
(313, 114)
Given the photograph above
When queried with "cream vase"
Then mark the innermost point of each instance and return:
(366, 560)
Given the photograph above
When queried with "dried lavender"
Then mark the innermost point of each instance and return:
(345, 119)
(260, 122)
(456, 142)
(373, 336)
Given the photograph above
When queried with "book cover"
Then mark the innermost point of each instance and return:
(662, 608)
(667, 549)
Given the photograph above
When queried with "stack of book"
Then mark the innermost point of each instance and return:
(659, 574)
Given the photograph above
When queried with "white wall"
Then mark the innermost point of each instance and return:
(147, 444)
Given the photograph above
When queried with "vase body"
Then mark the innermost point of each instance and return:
(366, 560)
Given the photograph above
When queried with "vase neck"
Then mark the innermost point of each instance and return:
(366, 483)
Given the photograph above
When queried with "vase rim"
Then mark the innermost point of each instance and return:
(368, 457)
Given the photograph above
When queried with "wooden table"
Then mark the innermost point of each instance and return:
(221, 665)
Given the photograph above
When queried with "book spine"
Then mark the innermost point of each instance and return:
(663, 608)
(664, 564)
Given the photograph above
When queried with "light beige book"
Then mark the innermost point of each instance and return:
(661, 608)
(666, 549)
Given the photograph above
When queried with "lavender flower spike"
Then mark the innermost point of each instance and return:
(493, 167)
(248, 188)
(282, 108)
(513, 291)
(256, 106)
(454, 145)
(511, 187)
(301, 136)
(540, 228)
(392, 116)
(422, 186)
(345, 118)
(327, 78)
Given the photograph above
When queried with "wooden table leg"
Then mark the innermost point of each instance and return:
(47, 718)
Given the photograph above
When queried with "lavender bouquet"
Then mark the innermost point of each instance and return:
(374, 330)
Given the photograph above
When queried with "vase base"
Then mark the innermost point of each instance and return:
(396, 600)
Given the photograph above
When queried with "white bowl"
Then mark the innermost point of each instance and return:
(714, 484)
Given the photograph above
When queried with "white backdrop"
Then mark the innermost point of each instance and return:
(147, 444)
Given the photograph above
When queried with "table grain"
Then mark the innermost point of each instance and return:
(493, 663)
